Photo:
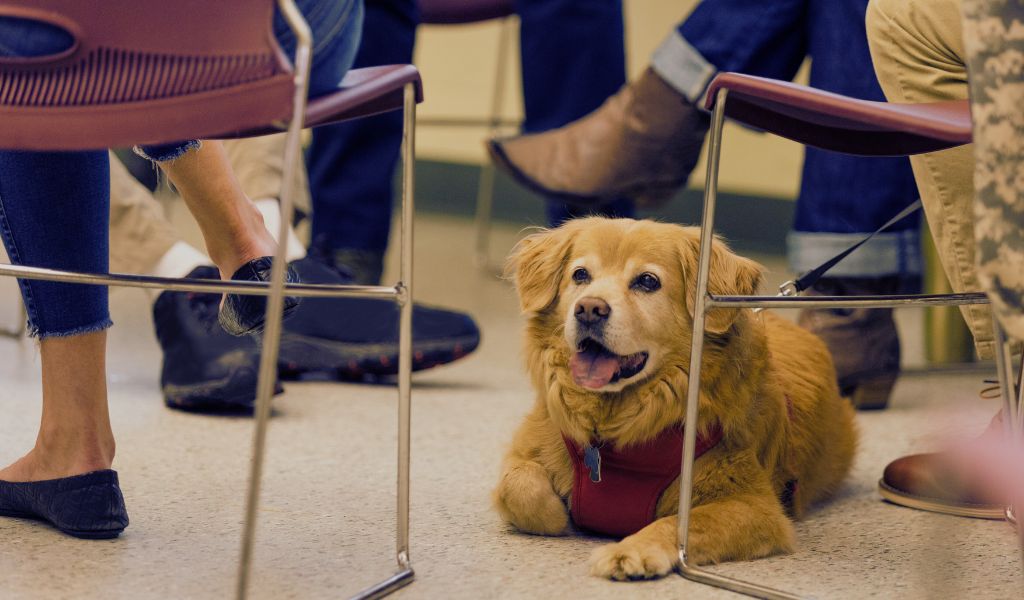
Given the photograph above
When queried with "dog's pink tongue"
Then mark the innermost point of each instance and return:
(593, 369)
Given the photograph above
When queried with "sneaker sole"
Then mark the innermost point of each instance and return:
(353, 361)
(202, 397)
(974, 511)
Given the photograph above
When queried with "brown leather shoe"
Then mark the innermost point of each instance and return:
(936, 482)
(864, 344)
(641, 143)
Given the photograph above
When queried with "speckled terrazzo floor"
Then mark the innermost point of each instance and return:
(327, 521)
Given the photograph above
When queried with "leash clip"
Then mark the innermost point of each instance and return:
(786, 290)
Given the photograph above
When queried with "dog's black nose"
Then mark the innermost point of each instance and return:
(591, 311)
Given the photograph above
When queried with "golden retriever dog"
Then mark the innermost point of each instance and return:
(609, 304)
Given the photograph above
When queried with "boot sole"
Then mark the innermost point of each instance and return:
(974, 511)
(348, 362)
(645, 195)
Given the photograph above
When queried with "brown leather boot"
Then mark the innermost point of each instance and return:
(864, 344)
(641, 143)
(938, 482)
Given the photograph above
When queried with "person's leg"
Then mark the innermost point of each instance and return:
(917, 50)
(351, 165)
(53, 213)
(643, 142)
(918, 54)
(997, 103)
(842, 199)
(205, 369)
(573, 58)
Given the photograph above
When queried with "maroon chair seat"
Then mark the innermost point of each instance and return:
(123, 82)
(457, 12)
(833, 122)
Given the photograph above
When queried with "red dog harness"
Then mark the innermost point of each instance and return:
(616, 491)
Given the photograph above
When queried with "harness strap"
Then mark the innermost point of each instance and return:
(624, 499)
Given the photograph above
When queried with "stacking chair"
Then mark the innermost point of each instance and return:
(460, 12)
(831, 122)
(152, 71)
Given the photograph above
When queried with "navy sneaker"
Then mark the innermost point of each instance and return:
(205, 368)
(357, 338)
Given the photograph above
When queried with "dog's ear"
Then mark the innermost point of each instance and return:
(730, 275)
(536, 266)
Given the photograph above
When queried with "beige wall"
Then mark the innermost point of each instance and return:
(458, 65)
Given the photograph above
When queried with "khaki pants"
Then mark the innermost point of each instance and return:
(918, 51)
(140, 233)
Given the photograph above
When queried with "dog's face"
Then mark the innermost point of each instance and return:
(618, 293)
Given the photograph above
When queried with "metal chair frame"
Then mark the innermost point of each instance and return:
(494, 123)
(1012, 395)
(400, 293)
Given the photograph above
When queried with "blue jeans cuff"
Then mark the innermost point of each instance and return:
(683, 67)
(35, 332)
(887, 254)
(166, 152)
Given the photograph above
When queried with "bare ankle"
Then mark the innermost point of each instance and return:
(250, 243)
(74, 453)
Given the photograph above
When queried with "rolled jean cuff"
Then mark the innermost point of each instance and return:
(683, 67)
(34, 331)
(886, 254)
(166, 152)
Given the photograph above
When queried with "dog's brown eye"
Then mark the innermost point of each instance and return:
(647, 282)
(580, 276)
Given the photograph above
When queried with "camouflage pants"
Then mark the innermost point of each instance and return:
(994, 40)
(918, 52)
(140, 233)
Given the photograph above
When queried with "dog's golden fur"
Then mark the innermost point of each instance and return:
(769, 385)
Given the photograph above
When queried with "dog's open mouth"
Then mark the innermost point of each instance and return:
(593, 366)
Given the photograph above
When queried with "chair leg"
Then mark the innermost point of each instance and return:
(405, 574)
(693, 391)
(485, 187)
(275, 300)
(405, 328)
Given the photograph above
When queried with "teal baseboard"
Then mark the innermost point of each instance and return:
(749, 223)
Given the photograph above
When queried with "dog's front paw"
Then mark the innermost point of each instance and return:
(631, 559)
(526, 499)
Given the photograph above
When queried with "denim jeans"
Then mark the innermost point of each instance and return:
(572, 56)
(841, 197)
(54, 206)
(54, 211)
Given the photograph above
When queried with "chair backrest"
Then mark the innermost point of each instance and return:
(839, 123)
(144, 71)
(455, 12)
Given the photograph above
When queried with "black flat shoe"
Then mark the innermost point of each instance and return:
(242, 315)
(88, 506)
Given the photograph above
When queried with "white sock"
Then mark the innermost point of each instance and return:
(272, 219)
(177, 262)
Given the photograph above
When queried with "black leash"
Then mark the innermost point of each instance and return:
(806, 280)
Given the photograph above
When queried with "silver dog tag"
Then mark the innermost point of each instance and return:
(592, 459)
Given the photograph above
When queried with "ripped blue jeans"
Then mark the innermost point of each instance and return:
(55, 206)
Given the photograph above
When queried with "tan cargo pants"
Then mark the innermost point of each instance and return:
(918, 52)
(140, 233)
